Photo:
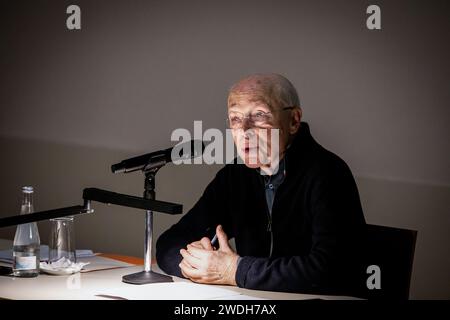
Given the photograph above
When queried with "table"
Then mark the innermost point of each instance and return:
(83, 286)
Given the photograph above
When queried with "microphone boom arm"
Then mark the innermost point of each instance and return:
(125, 200)
(99, 195)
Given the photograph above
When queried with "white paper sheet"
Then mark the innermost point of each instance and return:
(102, 263)
(168, 291)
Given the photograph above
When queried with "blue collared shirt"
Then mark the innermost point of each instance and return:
(272, 183)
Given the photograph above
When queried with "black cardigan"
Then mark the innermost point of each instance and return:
(317, 223)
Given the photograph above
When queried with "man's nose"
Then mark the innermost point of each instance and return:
(248, 134)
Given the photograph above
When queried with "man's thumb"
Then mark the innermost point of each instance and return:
(223, 239)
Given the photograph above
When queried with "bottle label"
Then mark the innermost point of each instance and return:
(25, 263)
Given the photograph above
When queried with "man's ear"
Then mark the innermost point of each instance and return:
(295, 120)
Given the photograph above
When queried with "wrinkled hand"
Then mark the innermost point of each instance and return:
(202, 264)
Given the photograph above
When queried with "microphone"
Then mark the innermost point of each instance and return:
(180, 152)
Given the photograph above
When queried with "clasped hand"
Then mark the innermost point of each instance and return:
(202, 263)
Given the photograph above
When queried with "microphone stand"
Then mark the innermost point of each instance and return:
(148, 276)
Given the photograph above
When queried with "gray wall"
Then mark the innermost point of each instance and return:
(72, 103)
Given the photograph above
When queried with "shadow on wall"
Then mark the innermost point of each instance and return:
(60, 172)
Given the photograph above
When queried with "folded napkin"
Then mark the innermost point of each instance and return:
(62, 266)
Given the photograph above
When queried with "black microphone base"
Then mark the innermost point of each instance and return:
(145, 277)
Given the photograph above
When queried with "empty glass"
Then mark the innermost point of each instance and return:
(62, 240)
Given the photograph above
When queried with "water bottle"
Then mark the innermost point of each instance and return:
(26, 255)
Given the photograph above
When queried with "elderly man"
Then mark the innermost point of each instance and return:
(297, 224)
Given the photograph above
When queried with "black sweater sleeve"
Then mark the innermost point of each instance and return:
(199, 222)
(336, 224)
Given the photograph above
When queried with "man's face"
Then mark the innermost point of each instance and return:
(253, 124)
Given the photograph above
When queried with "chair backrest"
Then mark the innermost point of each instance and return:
(392, 250)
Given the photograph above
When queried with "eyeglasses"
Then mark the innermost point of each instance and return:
(257, 119)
